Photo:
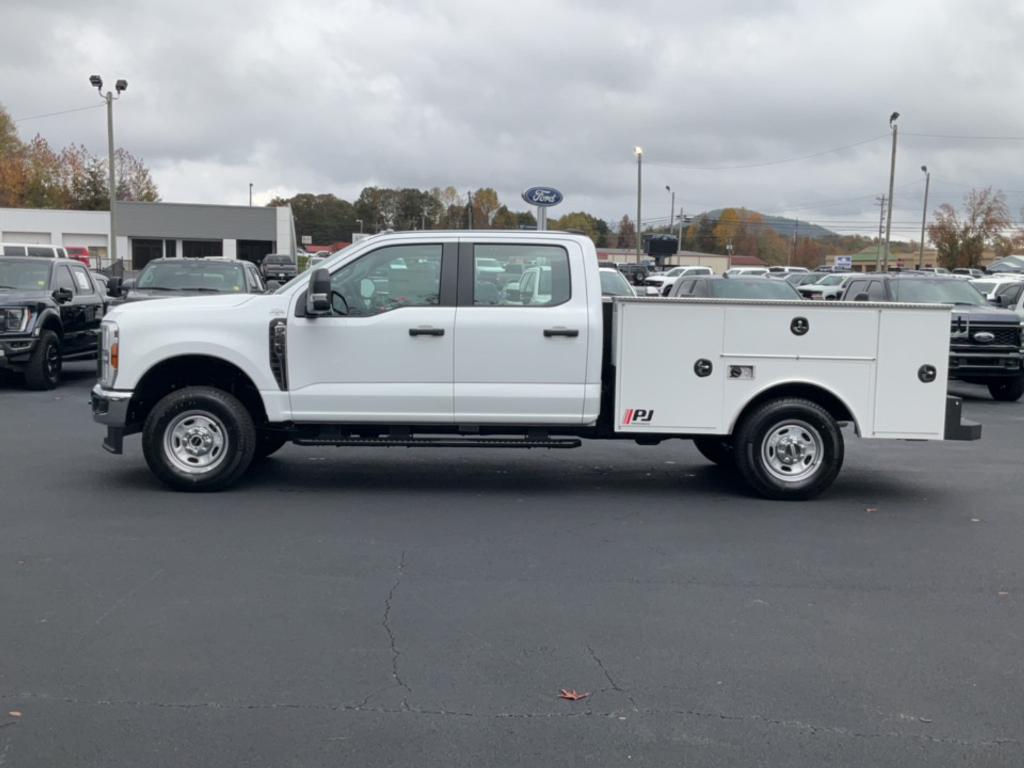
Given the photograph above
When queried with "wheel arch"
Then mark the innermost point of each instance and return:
(50, 321)
(836, 406)
(193, 370)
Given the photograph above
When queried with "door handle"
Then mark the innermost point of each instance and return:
(426, 331)
(570, 333)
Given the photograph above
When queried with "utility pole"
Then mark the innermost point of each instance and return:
(792, 253)
(120, 86)
(679, 246)
(469, 197)
(892, 178)
(250, 194)
(924, 214)
(639, 186)
(881, 221)
(671, 210)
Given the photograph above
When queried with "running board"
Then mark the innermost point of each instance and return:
(442, 442)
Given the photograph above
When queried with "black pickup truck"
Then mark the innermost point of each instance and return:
(171, 278)
(50, 311)
(985, 342)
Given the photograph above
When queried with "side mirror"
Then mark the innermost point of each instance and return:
(862, 297)
(318, 297)
(63, 295)
(115, 287)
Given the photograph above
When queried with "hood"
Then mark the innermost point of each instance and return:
(141, 294)
(19, 297)
(175, 302)
(986, 315)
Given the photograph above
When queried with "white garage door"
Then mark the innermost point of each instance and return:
(38, 238)
(88, 241)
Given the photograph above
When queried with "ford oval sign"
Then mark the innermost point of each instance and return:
(544, 197)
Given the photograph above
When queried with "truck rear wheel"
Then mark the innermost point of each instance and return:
(199, 439)
(789, 449)
(717, 450)
(1007, 391)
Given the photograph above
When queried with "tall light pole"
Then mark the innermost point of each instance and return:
(250, 194)
(120, 87)
(892, 178)
(639, 186)
(671, 209)
(924, 214)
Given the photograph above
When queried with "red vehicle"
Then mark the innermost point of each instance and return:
(79, 253)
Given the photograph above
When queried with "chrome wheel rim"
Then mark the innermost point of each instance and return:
(195, 442)
(792, 451)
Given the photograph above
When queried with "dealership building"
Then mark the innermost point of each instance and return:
(147, 231)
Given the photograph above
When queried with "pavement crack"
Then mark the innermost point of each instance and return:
(611, 680)
(386, 623)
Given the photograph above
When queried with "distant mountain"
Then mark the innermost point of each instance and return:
(780, 224)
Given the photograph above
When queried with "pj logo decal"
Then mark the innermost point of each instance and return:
(637, 415)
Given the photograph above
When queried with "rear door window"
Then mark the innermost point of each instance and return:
(64, 279)
(876, 291)
(82, 282)
(509, 275)
(40, 250)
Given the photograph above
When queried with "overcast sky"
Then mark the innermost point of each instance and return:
(333, 96)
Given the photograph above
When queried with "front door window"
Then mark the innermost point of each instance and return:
(388, 279)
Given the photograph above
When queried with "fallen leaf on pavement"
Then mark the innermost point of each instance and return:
(572, 695)
(871, 509)
(14, 713)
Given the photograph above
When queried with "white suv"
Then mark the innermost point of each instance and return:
(33, 249)
(661, 283)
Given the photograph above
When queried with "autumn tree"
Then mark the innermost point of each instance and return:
(580, 221)
(627, 233)
(961, 237)
(485, 205)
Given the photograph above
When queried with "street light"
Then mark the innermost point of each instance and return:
(250, 194)
(671, 209)
(120, 87)
(639, 182)
(924, 214)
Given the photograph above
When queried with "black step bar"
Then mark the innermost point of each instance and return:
(440, 442)
(957, 427)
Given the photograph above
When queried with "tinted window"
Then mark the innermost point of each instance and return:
(389, 278)
(738, 288)
(82, 280)
(936, 290)
(683, 287)
(544, 281)
(40, 250)
(876, 291)
(856, 287)
(64, 278)
(192, 275)
(614, 284)
(14, 250)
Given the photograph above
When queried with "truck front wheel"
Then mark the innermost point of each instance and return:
(789, 449)
(1007, 391)
(199, 439)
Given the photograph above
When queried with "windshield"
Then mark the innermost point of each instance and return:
(675, 272)
(278, 260)
(752, 289)
(192, 275)
(831, 280)
(937, 291)
(614, 284)
(24, 275)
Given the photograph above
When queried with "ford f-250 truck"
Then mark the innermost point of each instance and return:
(401, 340)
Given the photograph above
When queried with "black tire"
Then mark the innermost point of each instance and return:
(199, 439)
(44, 366)
(1008, 391)
(268, 442)
(717, 450)
(789, 436)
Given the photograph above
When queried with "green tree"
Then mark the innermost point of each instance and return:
(627, 233)
(580, 221)
(325, 218)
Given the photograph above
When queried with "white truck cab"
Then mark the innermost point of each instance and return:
(440, 339)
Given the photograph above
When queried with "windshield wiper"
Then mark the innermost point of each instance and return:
(203, 289)
(156, 288)
(12, 287)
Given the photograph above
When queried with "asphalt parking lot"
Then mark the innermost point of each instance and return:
(401, 607)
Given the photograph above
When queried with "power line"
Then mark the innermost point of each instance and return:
(770, 162)
(966, 138)
(54, 114)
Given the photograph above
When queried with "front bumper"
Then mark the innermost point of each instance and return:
(15, 351)
(975, 363)
(110, 408)
(957, 427)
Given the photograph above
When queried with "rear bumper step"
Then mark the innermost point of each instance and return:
(441, 442)
(957, 427)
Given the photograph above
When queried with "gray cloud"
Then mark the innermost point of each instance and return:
(331, 96)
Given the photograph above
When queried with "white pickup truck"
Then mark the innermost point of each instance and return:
(403, 340)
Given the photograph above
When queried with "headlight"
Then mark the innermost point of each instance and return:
(110, 353)
(15, 320)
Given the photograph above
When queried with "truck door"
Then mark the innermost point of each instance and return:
(521, 333)
(72, 313)
(384, 355)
